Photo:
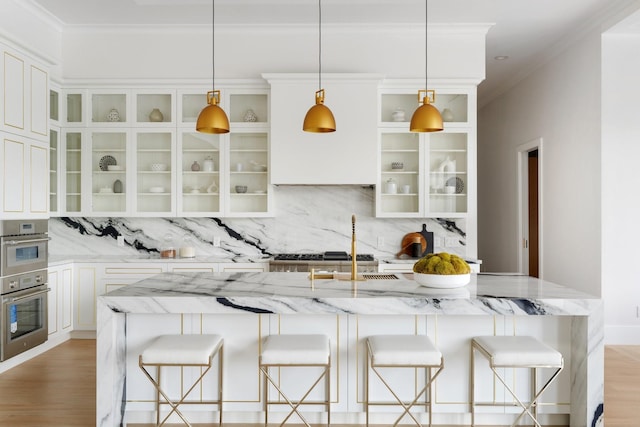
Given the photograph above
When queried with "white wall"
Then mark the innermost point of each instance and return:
(560, 103)
(620, 183)
(241, 52)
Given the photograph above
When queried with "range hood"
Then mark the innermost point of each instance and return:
(346, 156)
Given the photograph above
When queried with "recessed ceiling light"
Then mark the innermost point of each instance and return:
(501, 57)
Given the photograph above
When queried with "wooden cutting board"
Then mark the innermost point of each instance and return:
(407, 243)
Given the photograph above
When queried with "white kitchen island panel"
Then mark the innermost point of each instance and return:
(348, 312)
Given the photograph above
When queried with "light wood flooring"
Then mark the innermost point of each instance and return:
(57, 388)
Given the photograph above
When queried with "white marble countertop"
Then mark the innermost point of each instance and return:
(293, 293)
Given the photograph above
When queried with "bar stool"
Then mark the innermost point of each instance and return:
(182, 351)
(403, 351)
(515, 352)
(296, 351)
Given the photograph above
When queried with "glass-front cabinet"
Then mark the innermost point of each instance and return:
(400, 166)
(130, 152)
(248, 175)
(54, 143)
(73, 141)
(54, 150)
(199, 181)
(108, 180)
(155, 172)
(426, 174)
(447, 177)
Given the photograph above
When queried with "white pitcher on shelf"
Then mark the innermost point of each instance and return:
(213, 188)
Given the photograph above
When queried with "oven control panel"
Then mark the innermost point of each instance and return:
(23, 281)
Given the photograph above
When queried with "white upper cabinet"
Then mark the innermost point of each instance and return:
(129, 152)
(346, 156)
(427, 174)
(25, 95)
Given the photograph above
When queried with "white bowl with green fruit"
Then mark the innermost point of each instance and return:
(442, 270)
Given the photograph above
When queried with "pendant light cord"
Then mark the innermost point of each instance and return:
(213, 44)
(426, 44)
(319, 45)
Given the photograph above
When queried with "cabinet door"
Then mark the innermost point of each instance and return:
(114, 276)
(39, 113)
(14, 91)
(249, 190)
(13, 185)
(87, 291)
(192, 267)
(38, 167)
(199, 179)
(65, 307)
(25, 89)
(154, 107)
(399, 192)
(237, 267)
(447, 178)
(110, 108)
(155, 173)
(72, 143)
(54, 184)
(53, 300)
(109, 172)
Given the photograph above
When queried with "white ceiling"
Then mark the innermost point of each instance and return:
(527, 31)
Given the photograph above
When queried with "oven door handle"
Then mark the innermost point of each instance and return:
(16, 299)
(19, 242)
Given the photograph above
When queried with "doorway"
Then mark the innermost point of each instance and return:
(532, 181)
(530, 208)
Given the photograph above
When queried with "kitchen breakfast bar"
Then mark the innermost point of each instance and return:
(243, 308)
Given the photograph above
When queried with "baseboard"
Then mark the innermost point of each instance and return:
(83, 335)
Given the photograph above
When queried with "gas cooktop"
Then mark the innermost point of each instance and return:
(325, 256)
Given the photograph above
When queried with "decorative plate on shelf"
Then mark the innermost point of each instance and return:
(456, 182)
(105, 161)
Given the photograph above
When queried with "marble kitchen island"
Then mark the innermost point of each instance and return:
(244, 307)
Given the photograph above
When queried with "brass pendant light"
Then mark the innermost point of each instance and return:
(426, 118)
(212, 118)
(319, 118)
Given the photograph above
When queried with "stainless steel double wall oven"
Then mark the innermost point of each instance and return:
(23, 276)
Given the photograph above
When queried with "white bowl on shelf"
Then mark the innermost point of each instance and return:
(156, 190)
(114, 167)
(106, 190)
(442, 280)
(158, 167)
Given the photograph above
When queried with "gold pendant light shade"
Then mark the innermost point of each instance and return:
(212, 118)
(319, 118)
(426, 118)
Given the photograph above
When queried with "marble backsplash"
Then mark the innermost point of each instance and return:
(307, 219)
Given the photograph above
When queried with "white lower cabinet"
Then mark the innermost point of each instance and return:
(95, 279)
(182, 267)
(60, 299)
(244, 267)
(396, 268)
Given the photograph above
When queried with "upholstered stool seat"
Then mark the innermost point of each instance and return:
(296, 351)
(515, 352)
(182, 351)
(403, 351)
